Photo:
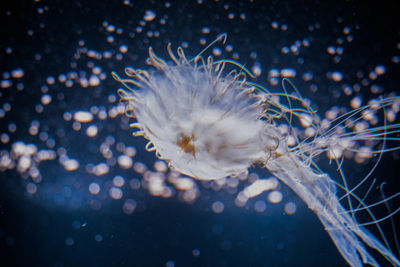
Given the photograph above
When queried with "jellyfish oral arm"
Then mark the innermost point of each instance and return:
(319, 193)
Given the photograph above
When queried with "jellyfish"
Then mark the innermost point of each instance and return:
(208, 123)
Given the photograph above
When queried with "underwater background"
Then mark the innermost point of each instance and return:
(77, 189)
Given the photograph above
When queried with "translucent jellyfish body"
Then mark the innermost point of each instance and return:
(209, 125)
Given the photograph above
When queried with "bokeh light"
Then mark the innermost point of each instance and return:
(74, 179)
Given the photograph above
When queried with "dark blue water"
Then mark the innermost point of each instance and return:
(63, 224)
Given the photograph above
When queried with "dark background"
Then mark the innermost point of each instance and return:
(34, 229)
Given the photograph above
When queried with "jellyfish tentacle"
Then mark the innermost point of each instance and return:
(319, 193)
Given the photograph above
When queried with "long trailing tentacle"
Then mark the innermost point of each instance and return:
(319, 193)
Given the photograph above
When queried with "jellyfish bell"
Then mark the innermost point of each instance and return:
(204, 124)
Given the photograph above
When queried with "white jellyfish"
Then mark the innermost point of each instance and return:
(209, 125)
